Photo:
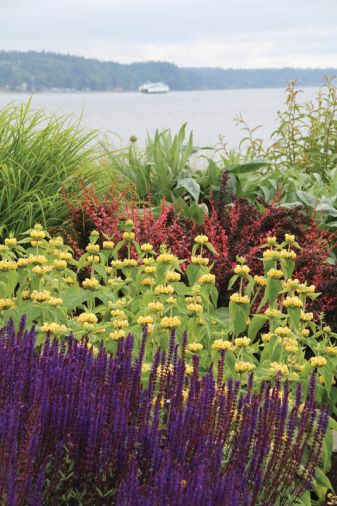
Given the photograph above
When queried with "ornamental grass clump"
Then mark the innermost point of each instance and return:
(80, 429)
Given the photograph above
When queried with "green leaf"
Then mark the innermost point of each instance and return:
(255, 325)
(191, 186)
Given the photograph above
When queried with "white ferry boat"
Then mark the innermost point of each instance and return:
(154, 88)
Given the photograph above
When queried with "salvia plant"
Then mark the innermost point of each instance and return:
(80, 429)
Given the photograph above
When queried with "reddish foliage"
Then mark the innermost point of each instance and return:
(234, 230)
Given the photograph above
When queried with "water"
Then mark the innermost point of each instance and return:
(209, 113)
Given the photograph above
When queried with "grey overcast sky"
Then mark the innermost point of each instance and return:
(223, 33)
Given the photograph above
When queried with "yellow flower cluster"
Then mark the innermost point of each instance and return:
(37, 234)
(120, 323)
(272, 240)
(266, 337)
(149, 269)
(199, 260)
(331, 350)
(172, 276)
(147, 281)
(54, 328)
(220, 344)
(201, 239)
(242, 270)
(306, 289)
(117, 335)
(92, 248)
(239, 299)
(189, 369)
(273, 313)
(6, 304)
(241, 367)
(260, 280)
(275, 274)
(108, 245)
(129, 262)
(306, 317)
(90, 283)
(278, 367)
(195, 308)
(241, 342)
(170, 322)
(289, 238)
(166, 258)
(42, 296)
(288, 255)
(290, 284)
(144, 320)
(129, 236)
(87, 318)
(93, 259)
(318, 361)
(194, 347)
(206, 279)
(146, 248)
(292, 302)
(162, 289)
(42, 270)
(8, 265)
(270, 254)
(156, 306)
(55, 301)
(11, 242)
(282, 331)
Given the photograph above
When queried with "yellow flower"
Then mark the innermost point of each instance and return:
(129, 236)
(68, 280)
(37, 259)
(306, 317)
(206, 279)
(146, 247)
(291, 348)
(275, 274)
(189, 369)
(55, 301)
(242, 270)
(120, 323)
(56, 242)
(87, 318)
(289, 238)
(288, 255)
(162, 289)
(172, 276)
(22, 262)
(318, 361)
(239, 299)
(260, 280)
(266, 337)
(241, 342)
(118, 334)
(278, 367)
(108, 244)
(148, 261)
(8, 265)
(147, 282)
(93, 259)
(65, 255)
(220, 344)
(156, 306)
(184, 394)
(201, 239)
(170, 322)
(36, 243)
(164, 370)
(88, 326)
(272, 313)
(11, 242)
(54, 328)
(283, 331)
(37, 234)
(117, 264)
(129, 262)
(199, 260)
(242, 367)
(166, 258)
(144, 320)
(6, 304)
(145, 368)
(305, 332)
(90, 283)
(59, 265)
(271, 254)
(171, 300)
(195, 298)
(92, 248)
(25, 294)
(118, 313)
(292, 302)
(272, 240)
(43, 296)
(41, 271)
(149, 269)
(327, 328)
(306, 289)
(290, 283)
(331, 350)
(195, 308)
(194, 347)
